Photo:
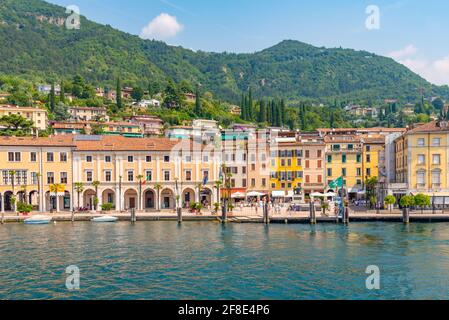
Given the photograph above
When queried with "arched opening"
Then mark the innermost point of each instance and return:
(21, 197)
(8, 203)
(64, 202)
(167, 199)
(108, 197)
(131, 198)
(149, 197)
(33, 199)
(88, 199)
(188, 197)
(206, 197)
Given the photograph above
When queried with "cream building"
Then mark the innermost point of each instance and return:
(38, 116)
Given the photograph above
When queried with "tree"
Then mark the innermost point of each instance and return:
(371, 185)
(61, 112)
(95, 184)
(421, 200)
(173, 97)
(16, 125)
(79, 188)
(52, 98)
(137, 93)
(218, 185)
(390, 201)
(407, 201)
(119, 94)
(62, 93)
(198, 109)
(262, 116)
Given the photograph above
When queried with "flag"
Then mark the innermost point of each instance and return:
(338, 183)
(144, 182)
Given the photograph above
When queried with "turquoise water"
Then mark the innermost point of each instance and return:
(161, 260)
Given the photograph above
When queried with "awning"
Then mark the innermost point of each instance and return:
(278, 194)
(255, 194)
(238, 195)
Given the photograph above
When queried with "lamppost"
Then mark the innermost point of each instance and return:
(120, 193)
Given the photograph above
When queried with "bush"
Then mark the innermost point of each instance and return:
(216, 207)
(24, 208)
(107, 207)
(407, 201)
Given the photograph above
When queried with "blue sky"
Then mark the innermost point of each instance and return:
(413, 32)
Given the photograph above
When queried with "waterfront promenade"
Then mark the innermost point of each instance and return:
(245, 215)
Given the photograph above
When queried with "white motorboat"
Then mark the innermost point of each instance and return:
(38, 219)
(105, 219)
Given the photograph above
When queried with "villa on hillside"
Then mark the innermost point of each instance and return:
(37, 115)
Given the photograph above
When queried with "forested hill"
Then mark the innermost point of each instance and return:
(35, 44)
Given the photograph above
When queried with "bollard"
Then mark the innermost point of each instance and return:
(73, 216)
(133, 215)
(179, 215)
(346, 215)
(406, 215)
(266, 216)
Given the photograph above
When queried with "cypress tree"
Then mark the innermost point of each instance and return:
(119, 94)
(62, 93)
(52, 98)
(242, 108)
(250, 105)
(262, 112)
(282, 115)
(331, 120)
(198, 108)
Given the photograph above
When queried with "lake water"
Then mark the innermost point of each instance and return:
(161, 260)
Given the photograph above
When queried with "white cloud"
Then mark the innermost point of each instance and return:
(162, 27)
(404, 52)
(435, 71)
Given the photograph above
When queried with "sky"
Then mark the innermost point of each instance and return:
(413, 32)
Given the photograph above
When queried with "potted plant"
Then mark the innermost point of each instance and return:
(216, 207)
(193, 207)
(107, 207)
(24, 208)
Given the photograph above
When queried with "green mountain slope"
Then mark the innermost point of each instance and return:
(34, 43)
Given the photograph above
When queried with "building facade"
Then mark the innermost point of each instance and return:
(38, 116)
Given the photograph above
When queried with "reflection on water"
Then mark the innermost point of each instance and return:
(162, 260)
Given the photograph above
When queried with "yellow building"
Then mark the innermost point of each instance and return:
(38, 116)
(373, 157)
(421, 160)
(31, 167)
(286, 167)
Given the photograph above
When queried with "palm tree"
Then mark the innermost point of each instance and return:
(158, 188)
(79, 188)
(95, 184)
(139, 178)
(218, 185)
(13, 173)
(199, 185)
(54, 188)
(38, 177)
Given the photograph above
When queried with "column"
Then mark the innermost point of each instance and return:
(2, 205)
(57, 203)
(117, 199)
(100, 199)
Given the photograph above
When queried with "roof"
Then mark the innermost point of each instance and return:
(52, 141)
(434, 126)
(8, 106)
(88, 108)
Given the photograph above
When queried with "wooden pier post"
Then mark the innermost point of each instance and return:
(133, 215)
(73, 215)
(312, 213)
(179, 215)
(346, 215)
(406, 215)
(224, 212)
(266, 217)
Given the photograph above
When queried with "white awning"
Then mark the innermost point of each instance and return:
(255, 194)
(278, 194)
(238, 195)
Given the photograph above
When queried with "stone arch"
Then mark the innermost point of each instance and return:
(131, 197)
(167, 198)
(88, 198)
(7, 195)
(149, 199)
(206, 196)
(108, 196)
(188, 197)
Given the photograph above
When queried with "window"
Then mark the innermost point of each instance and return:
(149, 175)
(273, 162)
(243, 170)
(205, 159)
(14, 156)
(420, 142)
(436, 159)
(188, 159)
(253, 158)
(289, 162)
(343, 158)
(167, 175)
(421, 159)
(436, 177)
(307, 179)
(319, 164)
(253, 183)
(307, 164)
(188, 175)
(273, 186)
(107, 159)
(307, 154)
(350, 147)
(329, 159)
(130, 159)
(88, 158)
(63, 157)
(253, 167)
(320, 178)
(336, 147)
(436, 142)
(282, 162)
(263, 157)
(33, 156)
(318, 154)
(244, 183)
(34, 179)
(50, 178)
(64, 177)
(368, 148)
(368, 158)
(329, 172)
(108, 176)
(343, 172)
(359, 158)
(368, 172)
(166, 158)
(264, 182)
(89, 176)
(298, 162)
(130, 175)
(359, 172)
(421, 177)
(148, 159)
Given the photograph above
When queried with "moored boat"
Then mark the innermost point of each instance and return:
(105, 219)
(38, 219)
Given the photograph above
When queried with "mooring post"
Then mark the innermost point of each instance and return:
(266, 217)
(224, 212)
(312, 213)
(179, 215)
(346, 215)
(406, 215)
(133, 215)
(73, 216)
